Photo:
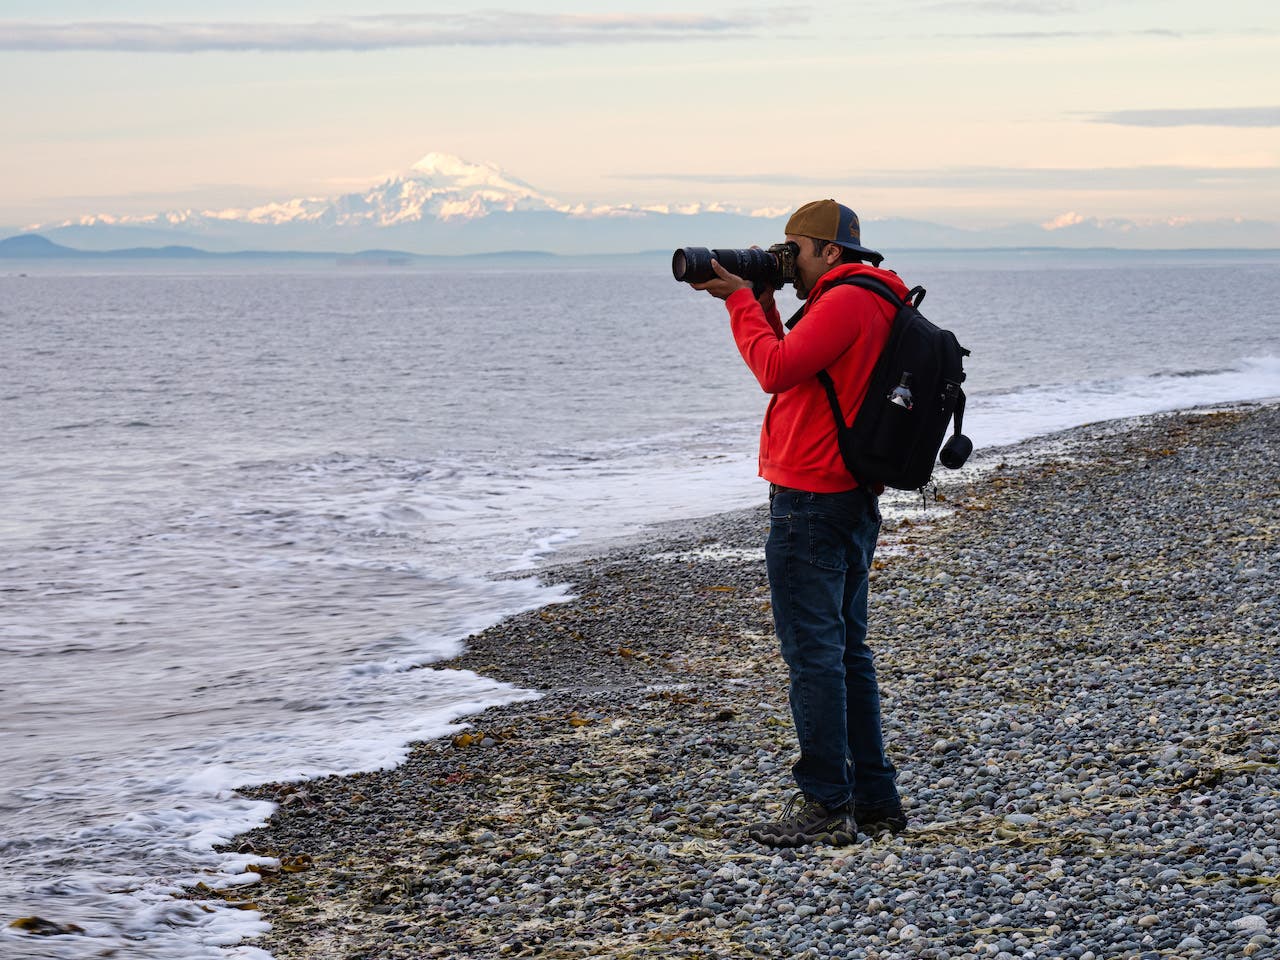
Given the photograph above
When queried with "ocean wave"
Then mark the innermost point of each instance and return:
(997, 419)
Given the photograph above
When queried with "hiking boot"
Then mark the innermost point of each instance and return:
(806, 821)
(873, 818)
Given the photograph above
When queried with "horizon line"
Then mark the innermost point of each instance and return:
(185, 251)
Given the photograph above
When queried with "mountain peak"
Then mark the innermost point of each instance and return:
(449, 164)
(448, 170)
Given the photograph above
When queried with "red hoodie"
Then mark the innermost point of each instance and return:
(843, 330)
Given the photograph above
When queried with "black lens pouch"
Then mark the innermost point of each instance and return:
(955, 451)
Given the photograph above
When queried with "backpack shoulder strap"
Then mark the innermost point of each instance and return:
(914, 296)
(882, 290)
(875, 285)
(833, 398)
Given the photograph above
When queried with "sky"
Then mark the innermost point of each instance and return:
(964, 112)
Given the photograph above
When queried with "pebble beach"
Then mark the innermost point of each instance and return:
(1077, 649)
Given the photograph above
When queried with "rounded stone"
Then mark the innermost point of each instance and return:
(1250, 924)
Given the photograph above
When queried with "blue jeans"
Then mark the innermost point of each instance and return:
(818, 557)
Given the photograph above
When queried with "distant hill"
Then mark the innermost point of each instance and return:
(32, 246)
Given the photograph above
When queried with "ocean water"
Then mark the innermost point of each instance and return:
(247, 507)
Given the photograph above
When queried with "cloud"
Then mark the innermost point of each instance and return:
(1039, 8)
(382, 32)
(1069, 219)
(998, 178)
(1205, 117)
(1067, 34)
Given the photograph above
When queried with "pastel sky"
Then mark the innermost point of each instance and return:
(968, 112)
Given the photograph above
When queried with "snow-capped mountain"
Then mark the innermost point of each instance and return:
(439, 186)
(444, 204)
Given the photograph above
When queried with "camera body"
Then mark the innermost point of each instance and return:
(774, 267)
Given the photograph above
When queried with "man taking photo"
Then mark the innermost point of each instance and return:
(822, 524)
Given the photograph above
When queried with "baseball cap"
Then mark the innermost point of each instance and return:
(828, 220)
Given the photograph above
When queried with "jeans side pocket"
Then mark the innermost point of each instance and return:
(826, 544)
(780, 507)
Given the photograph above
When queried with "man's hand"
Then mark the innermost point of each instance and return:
(724, 284)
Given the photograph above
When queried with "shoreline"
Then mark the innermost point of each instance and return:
(605, 818)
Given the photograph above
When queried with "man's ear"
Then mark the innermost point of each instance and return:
(832, 253)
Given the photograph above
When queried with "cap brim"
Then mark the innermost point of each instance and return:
(871, 255)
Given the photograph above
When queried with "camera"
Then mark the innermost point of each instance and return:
(773, 267)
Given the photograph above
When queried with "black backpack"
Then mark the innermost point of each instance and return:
(914, 393)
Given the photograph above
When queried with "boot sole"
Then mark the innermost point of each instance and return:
(836, 838)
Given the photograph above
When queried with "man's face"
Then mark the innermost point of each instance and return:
(811, 265)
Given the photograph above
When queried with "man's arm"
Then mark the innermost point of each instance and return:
(831, 326)
(727, 284)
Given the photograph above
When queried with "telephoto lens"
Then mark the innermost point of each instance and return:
(774, 266)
